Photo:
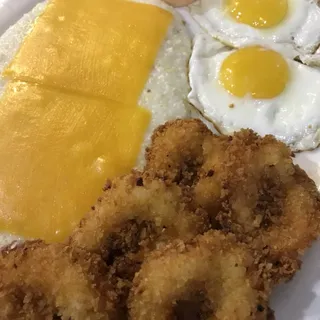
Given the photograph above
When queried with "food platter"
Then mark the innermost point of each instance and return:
(297, 300)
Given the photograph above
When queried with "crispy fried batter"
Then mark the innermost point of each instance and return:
(205, 279)
(176, 152)
(264, 197)
(248, 185)
(132, 217)
(40, 281)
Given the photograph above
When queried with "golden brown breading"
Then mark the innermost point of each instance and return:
(40, 281)
(176, 152)
(248, 185)
(132, 217)
(208, 278)
(264, 198)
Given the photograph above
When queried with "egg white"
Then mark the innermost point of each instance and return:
(300, 29)
(293, 117)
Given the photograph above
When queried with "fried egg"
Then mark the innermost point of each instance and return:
(256, 87)
(295, 23)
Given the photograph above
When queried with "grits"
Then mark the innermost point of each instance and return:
(165, 93)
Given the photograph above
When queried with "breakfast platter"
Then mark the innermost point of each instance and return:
(150, 152)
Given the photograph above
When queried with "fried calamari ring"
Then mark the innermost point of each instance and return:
(249, 186)
(264, 197)
(175, 153)
(40, 281)
(132, 217)
(206, 279)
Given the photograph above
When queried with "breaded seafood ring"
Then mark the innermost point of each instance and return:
(249, 186)
(132, 217)
(40, 281)
(260, 194)
(206, 279)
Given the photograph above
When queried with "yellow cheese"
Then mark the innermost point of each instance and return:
(57, 150)
(98, 47)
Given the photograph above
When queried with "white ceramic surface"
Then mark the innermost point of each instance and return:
(297, 300)
(12, 10)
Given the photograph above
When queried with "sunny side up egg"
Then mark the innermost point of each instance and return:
(295, 23)
(256, 87)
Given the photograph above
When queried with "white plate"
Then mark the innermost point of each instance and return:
(297, 300)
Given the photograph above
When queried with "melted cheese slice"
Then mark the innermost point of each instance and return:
(57, 150)
(99, 47)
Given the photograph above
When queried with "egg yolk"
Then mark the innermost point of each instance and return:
(258, 13)
(256, 71)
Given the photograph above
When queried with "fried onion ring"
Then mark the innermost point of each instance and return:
(40, 281)
(206, 279)
(132, 217)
